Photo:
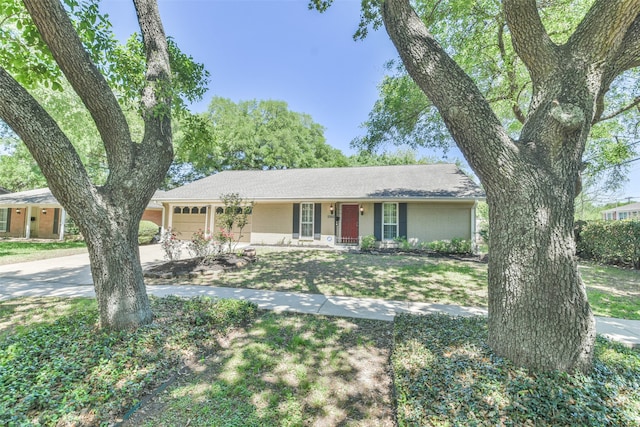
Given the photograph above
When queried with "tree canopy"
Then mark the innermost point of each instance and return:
(404, 115)
(253, 135)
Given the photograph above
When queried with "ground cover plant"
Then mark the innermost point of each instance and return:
(286, 370)
(445, 375)
(12, 251)
(612, 292)
(58, 368)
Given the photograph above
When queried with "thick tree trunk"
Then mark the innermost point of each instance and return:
(117, 273)
(539, 316)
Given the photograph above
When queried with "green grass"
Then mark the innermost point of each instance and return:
(445, 375)
(393, 277)
(57, 368)
(612, 292)
(223, 363)
(287, 370)
(13, 251)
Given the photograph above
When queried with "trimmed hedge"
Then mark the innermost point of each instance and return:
(610, 242)
(147, 230)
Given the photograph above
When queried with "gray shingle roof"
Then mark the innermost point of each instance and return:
(372, 182)
(41, 196)
(625, 208)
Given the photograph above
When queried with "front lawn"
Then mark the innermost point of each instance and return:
(224, 363)
(201, 363)
(57, 368)
(12, 251)
(446, 375)
(612, 292)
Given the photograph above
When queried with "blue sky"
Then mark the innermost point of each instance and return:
(278, 49)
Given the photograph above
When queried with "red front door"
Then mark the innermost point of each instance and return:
(349, 224)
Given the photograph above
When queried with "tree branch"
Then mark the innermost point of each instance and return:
(628, 54)
(156, 151)
(602, 32)
(48, 145)
(628, 107)
(66, 47)
(530, 39)
(468, 116)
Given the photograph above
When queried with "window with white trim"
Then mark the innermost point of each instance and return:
(3, 219)
(306, 220)
(623, 215)
(389, 221)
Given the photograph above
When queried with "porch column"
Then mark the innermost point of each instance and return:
(212, 224)
(206, 222)
(27, 228)
(474, 249)
(63, 219)
(162, 227)
(170, 223)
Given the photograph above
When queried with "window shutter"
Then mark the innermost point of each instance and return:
(9, 220)
(317, 221)
(56, 219)
(402, 220)
(296, 221)
(377, 221)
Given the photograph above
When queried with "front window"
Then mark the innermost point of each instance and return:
(306, 220)
(623, 215)
(389, 221)
(3, 219)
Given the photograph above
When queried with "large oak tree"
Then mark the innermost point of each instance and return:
(107, 215)
(538, 311)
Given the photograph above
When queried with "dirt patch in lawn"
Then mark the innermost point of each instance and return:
(286, 369)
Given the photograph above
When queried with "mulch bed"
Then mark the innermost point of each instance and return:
(194, 267)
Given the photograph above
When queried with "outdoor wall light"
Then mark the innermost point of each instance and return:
(361, 210)
(18, 211)
(331, 209)
(44, 211)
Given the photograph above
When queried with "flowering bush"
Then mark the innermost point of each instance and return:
(232, 218)
(203, 245)
(170, 244)
(226, 239)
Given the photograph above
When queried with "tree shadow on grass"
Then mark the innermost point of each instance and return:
(392, 277)
(287, 369)
(445, 374)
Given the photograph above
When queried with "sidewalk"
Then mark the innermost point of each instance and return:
(70, 277)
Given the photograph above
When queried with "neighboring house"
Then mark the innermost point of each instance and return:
(330, 206)
(37, 214)
(631, 211)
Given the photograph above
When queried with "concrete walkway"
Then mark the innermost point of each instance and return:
(71, 277)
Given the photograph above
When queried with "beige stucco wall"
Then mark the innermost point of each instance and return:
(429, 222)
(273, 224)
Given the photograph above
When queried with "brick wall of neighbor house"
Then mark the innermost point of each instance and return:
(429, 222)
(45, 224)
(153, 215)
(16, 227)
